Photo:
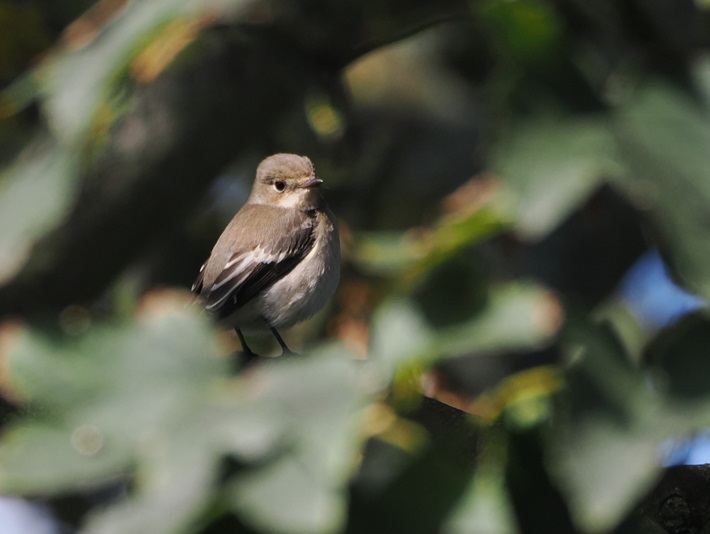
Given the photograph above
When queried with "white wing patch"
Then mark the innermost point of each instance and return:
(237, 270)
(248, 273)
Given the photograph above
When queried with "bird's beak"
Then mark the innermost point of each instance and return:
(312, 183)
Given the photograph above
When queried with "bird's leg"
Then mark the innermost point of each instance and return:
(284, 348)
(250, 355)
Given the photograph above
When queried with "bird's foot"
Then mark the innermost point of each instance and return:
(285, 351)
(244, 360)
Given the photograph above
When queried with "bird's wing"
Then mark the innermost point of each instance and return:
(254, 266)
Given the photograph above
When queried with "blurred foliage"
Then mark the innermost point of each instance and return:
(497, 167)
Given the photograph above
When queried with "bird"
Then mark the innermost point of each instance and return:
(278, 261)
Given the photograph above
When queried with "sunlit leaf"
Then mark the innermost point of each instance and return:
(455, 232)
(525, 396)
(413, 254)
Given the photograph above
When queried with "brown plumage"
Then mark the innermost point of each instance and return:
(278, 260)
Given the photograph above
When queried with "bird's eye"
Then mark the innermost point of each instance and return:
(279, 185)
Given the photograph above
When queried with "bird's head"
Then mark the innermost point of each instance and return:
(286, 181)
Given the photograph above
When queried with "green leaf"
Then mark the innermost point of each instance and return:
(517, 316)
(412, 255)
(83, 80)
(97, 401)
(604, 450)
(458, 231)
(34, 197)
(152, 398)
(386, 253)
(174, 490)
(46, 458)
(551, 165)
(486, 505)
(681, 370)
(664, 134)
(303, 489)
(400, 333)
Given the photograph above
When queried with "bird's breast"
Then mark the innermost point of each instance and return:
(310, 285)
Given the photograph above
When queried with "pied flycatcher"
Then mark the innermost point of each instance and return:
(278, 261)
